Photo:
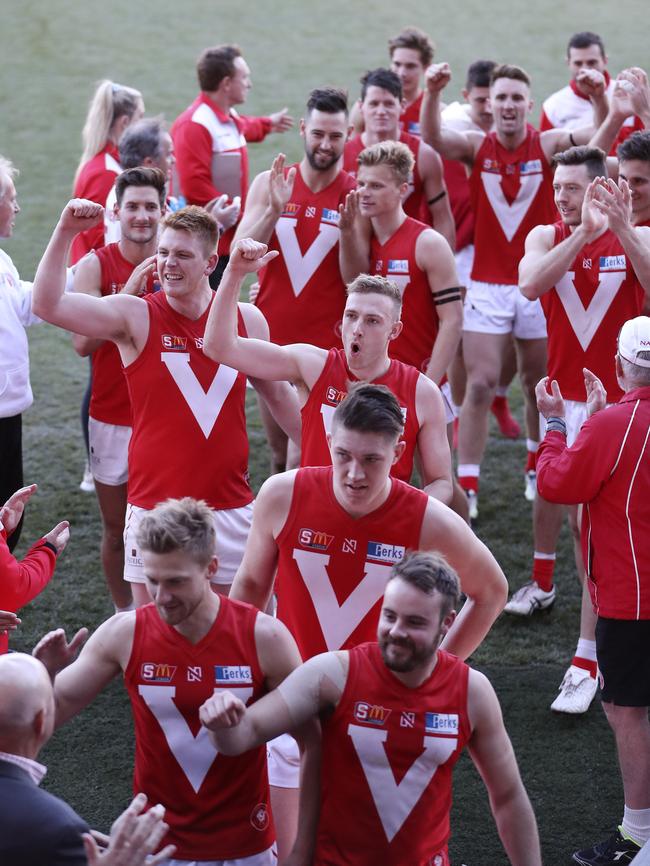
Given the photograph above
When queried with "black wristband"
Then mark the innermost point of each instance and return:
(51, 546)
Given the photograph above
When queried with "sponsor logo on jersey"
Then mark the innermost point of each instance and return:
(157, 673)
(198, 342)
(586, 264)
(330, 216)
(612, 263)
(370, 713)
(116, 288)
(349, 545)
(407, 720)
(380, 552)
(174, 344)
(194, 674)
(233, 675)
(414, 127)
(291, 210)
(314, 539)
(533, 166)
(490, 165)
(441, 723)
(260, 817)
(333, 395)
(398, 266)
(379, 265)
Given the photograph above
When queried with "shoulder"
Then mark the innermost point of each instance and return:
(276, 491)
(256, 324)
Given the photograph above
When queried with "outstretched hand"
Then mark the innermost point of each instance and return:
(59, 536)
(614, 202)
(281, 121)
(596, 393)
(550, 405)
(593, 221)
(280, 185)
(8, 621)
(13, 509)
(225, 214)
(133, 839)
(349, 211)
(55, 652)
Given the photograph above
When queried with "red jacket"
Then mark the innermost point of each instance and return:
(20, 582)
(608, 469)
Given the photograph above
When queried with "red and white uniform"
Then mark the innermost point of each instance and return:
(456, 116)
(511, 193)
(330, 389)
(586, 310)
(332, 569)
(95, 181)
(608, 469)
(211, 155)
(409, 119)
(189, 427)
(302, 294)
(396, 260)
(388, 754)
(22, 580)
(109, 398)
(216, 806)
(415, 203)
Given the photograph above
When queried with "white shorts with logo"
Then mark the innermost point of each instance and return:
(492, 308)
(575, 415)
(464, 264)
(264, 858)
(232, 526)
(109, 448)
(283, 761)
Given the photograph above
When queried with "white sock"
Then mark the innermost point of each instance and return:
(473, 470)
(502, 391)
(586, 649)
(636, 825)
(532, 446)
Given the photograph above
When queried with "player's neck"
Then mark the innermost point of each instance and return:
(368, 137)
(137, 253)
(316, 180)
(220, 100)
(386, 224)
(357, 510)
(371, 371)
(415, 678)
(193, 304)
(642, 218)
(202, 618)
(513, 141)
(410, 98)
(594, 237)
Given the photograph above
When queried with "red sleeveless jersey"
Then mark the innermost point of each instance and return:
(189, 427)
(332, 386)
(511, 193)
(332, 568)
(396, 260)
(302, 294)
(409, 119)
(216, 806)
(388, 754)
(109, 397)
(415, 204)
(585, 311)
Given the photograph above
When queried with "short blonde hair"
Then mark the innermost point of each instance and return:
(366, 284)
(394, 154)
(197, 221)
(179, 524)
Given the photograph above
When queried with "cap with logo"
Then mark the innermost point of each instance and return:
(634, 338)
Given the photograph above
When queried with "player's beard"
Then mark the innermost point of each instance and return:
(321, 166)
(418, 657)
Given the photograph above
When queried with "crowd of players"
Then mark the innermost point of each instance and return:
(416, 258)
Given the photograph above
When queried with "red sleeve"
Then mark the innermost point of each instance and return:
(255, 128)
(20, 582)
(573, 475)
(193, 151)
(544, 122)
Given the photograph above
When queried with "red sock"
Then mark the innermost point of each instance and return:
(468, 482)
(586, 665)
(531, 459)
(500, 403)
(543, 573)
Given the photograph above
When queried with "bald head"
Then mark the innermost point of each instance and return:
(27, 706)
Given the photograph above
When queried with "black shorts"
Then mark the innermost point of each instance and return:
(623, 651)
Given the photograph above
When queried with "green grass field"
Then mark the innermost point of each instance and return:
(53, 53)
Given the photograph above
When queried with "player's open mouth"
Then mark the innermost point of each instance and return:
(173, 277)
(355, 348)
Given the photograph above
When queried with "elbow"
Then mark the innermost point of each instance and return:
(528, 289)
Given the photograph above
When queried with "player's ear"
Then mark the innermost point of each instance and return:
(396, 330)
(447, 622)
(350, 131)
(116, 210)
(465, 93)
(302, 126)
(399, 450)
(212, 264)
(213, 565)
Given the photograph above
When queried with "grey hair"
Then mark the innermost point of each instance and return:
(8, 171)
(635, 374)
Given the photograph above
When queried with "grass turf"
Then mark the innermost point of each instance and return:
(53, 54)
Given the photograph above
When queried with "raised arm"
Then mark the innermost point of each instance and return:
(435, 189)
(117, 318)
(449, 143)
(87, 281)
(433, 446)
(267, 198)
(481, 578)
(494, 757)
(354, 241)
(613, 201)
(592, 84)
(434, 256)
(259, 359)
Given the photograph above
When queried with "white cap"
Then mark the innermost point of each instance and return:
(634, 337)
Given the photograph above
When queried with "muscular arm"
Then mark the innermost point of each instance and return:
(449, 143)
(255, 357)
(432, 445)
(267, 198)
(253, 582)
(434, 256)
(481, 578)
(87, 281)
(493, 755)
(355, 232)
(543, 264)
(121, 319)
(435, 190)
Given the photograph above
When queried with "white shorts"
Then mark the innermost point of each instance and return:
(109, 448)
(464, 263)
(283, 761)
(264, 858)
(575, 415)
(492, 308)
(450, 411)
(232, 526)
